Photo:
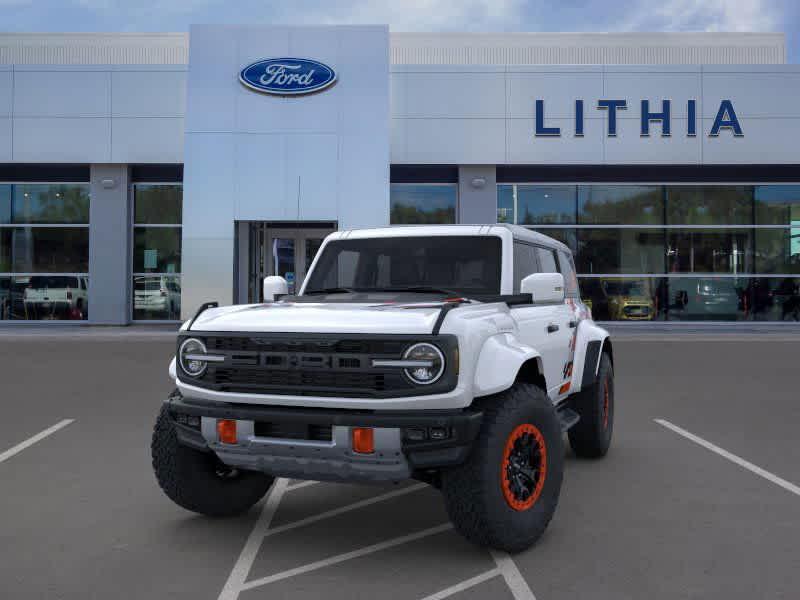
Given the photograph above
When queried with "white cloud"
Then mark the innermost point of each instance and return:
(415, 15)
(705, 15)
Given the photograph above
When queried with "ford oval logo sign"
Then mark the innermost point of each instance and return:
(287, 76)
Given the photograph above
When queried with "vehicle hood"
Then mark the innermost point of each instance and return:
(329, 317)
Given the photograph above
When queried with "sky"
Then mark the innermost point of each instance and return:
(413, 15)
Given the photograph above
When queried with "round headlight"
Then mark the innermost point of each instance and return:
(430, 363)
(188, 355)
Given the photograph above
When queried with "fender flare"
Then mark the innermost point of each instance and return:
(500, 359)
(589, 342)
(173, 369)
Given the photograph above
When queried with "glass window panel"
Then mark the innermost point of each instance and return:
(620, 251)
(44, 298)
(5, 203)
(423, 204)
(283, 259)
(157, 250)
(621, 204)
(710, 251)
(44, 249)
(47, 203)
(777, 205)
(5, 298)
(775, 299)
(708, 299)
(568, 237)
(156, 297)
(158, 204)
(312, 247)
(625, 298)
(505, 203)
(13, 297)
(547, 260)
(567, 267)
(709, 205)
(539, 204)
(524, 263)
(778, 250)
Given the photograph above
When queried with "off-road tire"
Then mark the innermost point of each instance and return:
(474, 491)
(190, 477)
(591, 436)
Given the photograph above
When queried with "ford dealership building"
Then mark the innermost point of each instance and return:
(143, 174)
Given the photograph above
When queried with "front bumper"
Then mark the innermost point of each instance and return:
(396, 456)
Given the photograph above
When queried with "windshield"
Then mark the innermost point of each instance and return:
(40, 282)
(625, 288)
(468, 265)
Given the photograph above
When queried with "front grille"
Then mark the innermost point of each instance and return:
(637, 310)
(302, 382)
(317, 365)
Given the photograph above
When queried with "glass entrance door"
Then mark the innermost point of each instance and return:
(284, 251)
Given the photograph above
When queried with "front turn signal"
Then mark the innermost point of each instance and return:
(226, 431)
(363, 440)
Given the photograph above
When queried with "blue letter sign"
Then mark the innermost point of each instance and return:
(726, 118)
(541, 130)
(612, 106)
(663, 116)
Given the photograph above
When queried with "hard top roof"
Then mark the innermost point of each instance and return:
(518, 232)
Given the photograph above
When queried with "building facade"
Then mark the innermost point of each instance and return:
(144, 174)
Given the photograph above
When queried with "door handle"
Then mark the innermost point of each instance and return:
(552, 328)
(573, 324)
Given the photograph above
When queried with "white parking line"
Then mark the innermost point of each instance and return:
(333, 560)
(302, 484)
(343, 509)
(731, 457)
(261, 530)
(464, 585)
(241, 569)
(514, 579)
(32, 440)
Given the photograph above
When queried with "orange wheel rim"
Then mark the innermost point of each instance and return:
(524, 467)
(605, 403)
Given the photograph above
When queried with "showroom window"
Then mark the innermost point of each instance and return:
(680, 252)
(423, 203)
(44, 251)
(156, 286)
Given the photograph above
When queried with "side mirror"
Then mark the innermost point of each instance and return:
(544, 287)
(274, 286)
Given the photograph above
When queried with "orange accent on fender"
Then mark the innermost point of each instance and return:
(564, 388)
(226, 431)
(363, 440)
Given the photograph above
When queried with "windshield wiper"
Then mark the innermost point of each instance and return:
(330, 290)
(421, 289)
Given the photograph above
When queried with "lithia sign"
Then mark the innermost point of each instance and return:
(726, 119)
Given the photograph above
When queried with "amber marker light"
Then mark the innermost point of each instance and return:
(226, 431)
(363, 440)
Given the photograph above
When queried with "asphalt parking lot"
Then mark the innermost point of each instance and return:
(697, 498)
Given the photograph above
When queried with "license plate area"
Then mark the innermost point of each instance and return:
(293, 431)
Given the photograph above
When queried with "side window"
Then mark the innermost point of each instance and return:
(547, 260)
(568, 271)
(524, 263)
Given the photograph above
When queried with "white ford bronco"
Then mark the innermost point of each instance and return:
(455, 355)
